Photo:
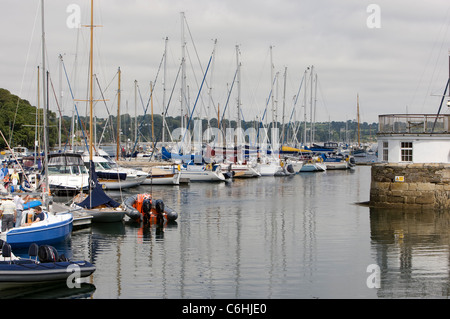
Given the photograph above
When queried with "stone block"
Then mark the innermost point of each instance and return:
(425, 200)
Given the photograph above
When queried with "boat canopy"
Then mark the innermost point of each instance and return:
(97, 196)
(65, 159)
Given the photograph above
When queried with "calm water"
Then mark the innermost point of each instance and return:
(290, 237)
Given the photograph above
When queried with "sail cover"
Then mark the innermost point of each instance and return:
(97, 196)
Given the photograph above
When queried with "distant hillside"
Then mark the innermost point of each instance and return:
(18, 123)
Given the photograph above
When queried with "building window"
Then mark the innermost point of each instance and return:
(406, 151)
(385, 151)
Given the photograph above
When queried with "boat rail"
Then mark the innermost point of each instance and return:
(413, 123)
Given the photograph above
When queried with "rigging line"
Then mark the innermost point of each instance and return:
(145, 113)
(295, 102)
(148, 102)
(56, 100)
(75, 105)
(24, 70)
(173, 89)
(265, 110)
(228, 98)
(198, 58)
(195, 104)
(196, 82)
(106, 106)
(440, 106)
(429, 62)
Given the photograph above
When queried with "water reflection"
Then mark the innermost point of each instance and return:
(285, 237)
(412, 250)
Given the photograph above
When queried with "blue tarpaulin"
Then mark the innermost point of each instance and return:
(97, 196)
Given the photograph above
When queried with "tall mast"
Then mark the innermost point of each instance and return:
(357, 109)
(183, 70)
(239, 88)
(36, 136)
(315, 104)
(304, 108)
(135, 111)
(91, 78)
(44, 91)
(271, 83)
(284, 105)
(311, 107)
(164, 91)
(60, 101)
(118, 118)
(153, 123)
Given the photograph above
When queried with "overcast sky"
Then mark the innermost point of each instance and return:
(394, 54)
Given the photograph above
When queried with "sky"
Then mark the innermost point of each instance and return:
(391, 56)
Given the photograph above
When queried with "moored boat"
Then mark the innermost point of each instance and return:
(53, 229)
(163, 176)
(142, 207)
(16, 271)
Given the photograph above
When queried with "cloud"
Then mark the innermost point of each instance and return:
(394, 67)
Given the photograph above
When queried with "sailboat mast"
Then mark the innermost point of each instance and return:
(357, 102)
(239, 88)
(183, 70)
(135, 111)
(284, 105)
(44, 91)
(164, 91)
(153, 123)
(91, 78)
(118, 118)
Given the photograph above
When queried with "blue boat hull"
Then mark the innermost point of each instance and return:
(30, 272)
(50, 233)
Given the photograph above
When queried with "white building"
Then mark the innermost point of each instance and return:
(414, 138)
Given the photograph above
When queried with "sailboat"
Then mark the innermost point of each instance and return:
(97, 204)
(55, 227)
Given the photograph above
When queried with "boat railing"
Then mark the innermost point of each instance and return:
(413, 124)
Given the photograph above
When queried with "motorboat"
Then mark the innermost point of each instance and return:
(201, 172)
(53, 229)
(67, 173)
(313, 166)
(163, 176)
(115, 177)
(240, 170)
(44, 266)
(268, 166)
(143, 207)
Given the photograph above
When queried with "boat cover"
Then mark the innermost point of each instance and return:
(97, 196)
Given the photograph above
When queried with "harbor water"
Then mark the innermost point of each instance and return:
(305, 236)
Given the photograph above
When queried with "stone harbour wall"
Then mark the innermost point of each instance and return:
(418, 186)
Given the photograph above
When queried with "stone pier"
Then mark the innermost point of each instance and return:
(418, 186)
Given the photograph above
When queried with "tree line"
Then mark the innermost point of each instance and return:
(22, 125)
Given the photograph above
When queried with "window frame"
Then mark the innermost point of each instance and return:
(406, 151)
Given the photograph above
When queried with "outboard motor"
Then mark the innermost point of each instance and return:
(146, 206)
(159, 206)
(146, 209)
